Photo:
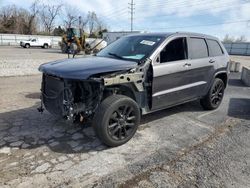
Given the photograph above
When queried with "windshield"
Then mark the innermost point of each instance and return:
(133, 48)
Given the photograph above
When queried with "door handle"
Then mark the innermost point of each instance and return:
(211, 61)
(187, 65)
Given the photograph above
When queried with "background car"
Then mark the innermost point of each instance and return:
(36, 42)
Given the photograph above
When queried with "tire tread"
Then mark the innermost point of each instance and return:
(99, 117)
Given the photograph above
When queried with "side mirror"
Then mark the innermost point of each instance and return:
(158, 59)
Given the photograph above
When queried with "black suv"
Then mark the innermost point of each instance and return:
(133, 76)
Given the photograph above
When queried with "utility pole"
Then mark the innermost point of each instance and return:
(132, 12)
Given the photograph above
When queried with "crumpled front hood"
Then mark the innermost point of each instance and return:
(83, 68)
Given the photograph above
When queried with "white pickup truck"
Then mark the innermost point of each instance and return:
(36, 42)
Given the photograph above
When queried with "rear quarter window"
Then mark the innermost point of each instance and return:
(198, 48)
(214, 48)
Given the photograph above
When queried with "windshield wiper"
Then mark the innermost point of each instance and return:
(115, 55)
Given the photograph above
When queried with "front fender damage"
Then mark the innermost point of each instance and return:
(135, 76)
(78, 99)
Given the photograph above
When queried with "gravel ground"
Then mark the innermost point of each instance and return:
(17, 61)
(244, 60)
(179, 147)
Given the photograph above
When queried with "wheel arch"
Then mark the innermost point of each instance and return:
(223, 76)
(121, 89)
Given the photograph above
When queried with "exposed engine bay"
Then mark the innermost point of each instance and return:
(77, 100)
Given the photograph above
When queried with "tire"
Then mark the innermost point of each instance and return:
(116, 120)
(214, 96)
(27, 45)
(45, 46)
(64, 48)
(73, 49)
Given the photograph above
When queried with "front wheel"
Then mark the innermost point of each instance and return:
(116, 120)
(27, 45)
(214, 96)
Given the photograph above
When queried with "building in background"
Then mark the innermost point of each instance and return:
(110, 37)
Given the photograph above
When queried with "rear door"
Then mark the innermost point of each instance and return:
(180, 72)
(217, 55)
(203, 66)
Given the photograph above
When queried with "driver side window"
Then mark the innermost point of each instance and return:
(175, 50)
(33, 40)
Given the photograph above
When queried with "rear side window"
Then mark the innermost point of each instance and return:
(198, 48)
(214, 48)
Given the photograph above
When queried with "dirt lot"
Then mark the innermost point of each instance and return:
(179, 147)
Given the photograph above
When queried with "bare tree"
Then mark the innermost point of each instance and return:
(22, 21)
(48, 14)
(71, 17)
(229, 39)
(16, 20)
(7, 19)
(34, 10)
(92, 20)
(242, 38)
(83, 21)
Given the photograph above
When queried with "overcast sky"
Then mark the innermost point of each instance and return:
(215, 17)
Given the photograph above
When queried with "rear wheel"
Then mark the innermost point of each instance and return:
(215, 95)
(73, 49)
(116, 120)
(45, 46)
(64, 48)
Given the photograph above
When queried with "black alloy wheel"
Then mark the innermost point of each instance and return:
(214, 96)
(116, 120)
(217, 93)
(122, 123)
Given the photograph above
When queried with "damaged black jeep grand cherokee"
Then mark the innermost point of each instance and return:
(136, 75)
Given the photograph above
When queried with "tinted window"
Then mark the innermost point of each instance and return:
(214, 48)
(198, 48)
(174, 51)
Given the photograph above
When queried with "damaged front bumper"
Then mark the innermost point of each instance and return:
(70, 98)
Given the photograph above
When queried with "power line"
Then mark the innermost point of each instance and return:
(132, 12)
(114, 12)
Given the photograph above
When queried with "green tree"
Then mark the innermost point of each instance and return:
(58, 31)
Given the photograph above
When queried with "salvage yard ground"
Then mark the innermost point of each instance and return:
(20, 61)
(182, 146)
